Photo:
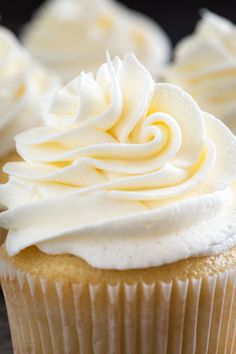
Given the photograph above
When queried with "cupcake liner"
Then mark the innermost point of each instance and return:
(195, 316)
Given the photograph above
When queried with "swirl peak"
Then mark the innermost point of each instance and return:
(117, 148)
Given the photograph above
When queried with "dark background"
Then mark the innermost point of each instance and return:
(177, 17)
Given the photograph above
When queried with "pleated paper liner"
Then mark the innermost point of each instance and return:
(180, 317)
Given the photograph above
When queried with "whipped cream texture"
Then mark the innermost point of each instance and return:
(125, 173)
(205, 66)
(69, 36)
(22, 83)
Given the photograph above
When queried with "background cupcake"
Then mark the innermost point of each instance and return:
(205, 66)
(22, 83)
(123, 238)
(69, 36)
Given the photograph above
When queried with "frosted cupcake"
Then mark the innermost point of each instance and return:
(22, 83)
(205, 66)
(69, 36)
(122, 222)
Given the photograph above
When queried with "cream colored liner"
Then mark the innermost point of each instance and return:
(196, 316)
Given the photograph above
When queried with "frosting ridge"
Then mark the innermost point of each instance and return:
(126, 173)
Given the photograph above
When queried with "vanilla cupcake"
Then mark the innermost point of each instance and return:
(22, 83)
(122, 222)
(70, 36)
(205, 66)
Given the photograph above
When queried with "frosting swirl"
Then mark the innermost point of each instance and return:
(125, 173)
(205, 66)
(69, 36)
(22, 82)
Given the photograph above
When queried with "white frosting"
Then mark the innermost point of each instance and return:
(69, 36)
(22, 82)
(205, 66)
(125, 173)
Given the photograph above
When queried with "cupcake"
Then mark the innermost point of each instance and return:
(204, 65)
(22, 82)
(122, 222)
(70, 36)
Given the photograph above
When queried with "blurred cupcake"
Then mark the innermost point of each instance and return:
(205, 66)
(22, 82)
(70, 36)
(122, 222)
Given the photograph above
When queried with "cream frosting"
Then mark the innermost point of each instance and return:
(69, 36)
(22, 82)
(125, 173)
(205, 66)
